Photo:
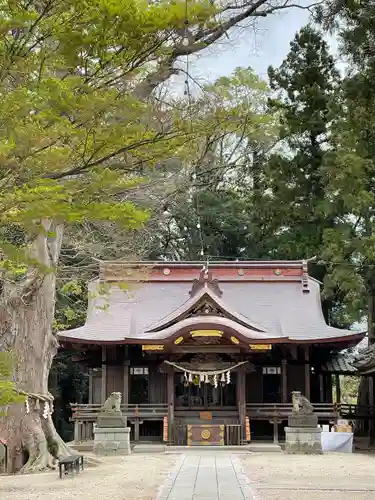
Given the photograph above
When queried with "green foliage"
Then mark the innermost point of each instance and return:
(68, 384)
(72, 125)
(8, 394)
(349, 168)
(349, 389)
(306, 83)
(307, 88)
(226, 163)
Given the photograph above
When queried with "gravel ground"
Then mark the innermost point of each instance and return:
(294, 477)
(136, 477)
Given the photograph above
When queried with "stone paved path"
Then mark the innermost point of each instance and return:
(207, 477)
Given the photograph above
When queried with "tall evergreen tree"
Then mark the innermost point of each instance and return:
(306, 85)
(350, 167)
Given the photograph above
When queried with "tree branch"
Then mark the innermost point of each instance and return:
(205, 38)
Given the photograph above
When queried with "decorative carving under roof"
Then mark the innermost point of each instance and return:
(206, 308)
(207, 362)
(205, 280)
(305, 277)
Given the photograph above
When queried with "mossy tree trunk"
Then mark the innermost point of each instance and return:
(33, 443)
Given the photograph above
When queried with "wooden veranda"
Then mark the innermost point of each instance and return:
(85, 415)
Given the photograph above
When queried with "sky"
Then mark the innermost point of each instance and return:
(258, 48)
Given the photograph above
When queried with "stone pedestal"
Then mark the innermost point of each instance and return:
(304, 420)
(112, 441)
(303, 440)
(111, 419)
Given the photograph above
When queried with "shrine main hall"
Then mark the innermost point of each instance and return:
(204, 353)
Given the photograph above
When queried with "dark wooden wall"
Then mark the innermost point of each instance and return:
(295, 379)
(157, 385)
(96, 388)
(115, 379)
(254, 387)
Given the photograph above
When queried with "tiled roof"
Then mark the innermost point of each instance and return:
(341, 363)
(206, 292)
(365, 360)
(278, 309)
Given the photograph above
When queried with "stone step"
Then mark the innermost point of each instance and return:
(255, 447)
(250, 448)
(149, 448)
(265, 448)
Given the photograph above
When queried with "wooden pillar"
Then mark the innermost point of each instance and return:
(371, 400)
(104, 374)
(328, 384)
(91, 397)
(284, 381)
(170, 398)
(338, 388)
(321, 389)
(125, 396)
(307, 373)
(241, 400)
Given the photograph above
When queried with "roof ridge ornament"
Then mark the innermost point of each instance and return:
(205, 280)
(305, 277)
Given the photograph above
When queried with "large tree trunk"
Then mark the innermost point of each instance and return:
(33, 443)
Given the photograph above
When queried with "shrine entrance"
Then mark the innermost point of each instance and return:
(201, 395)
(206, 394)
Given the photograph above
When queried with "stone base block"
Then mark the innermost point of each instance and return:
(111, 419)
(303, 420)
(303, 440)
(111, 441)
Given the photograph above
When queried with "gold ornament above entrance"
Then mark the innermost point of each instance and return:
(206, 333)
(179, 340)
(235, 340)
(152, 347)
(260, 347)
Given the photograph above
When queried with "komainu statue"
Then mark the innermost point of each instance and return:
(110, 414)
(301, 404)
(112, 403)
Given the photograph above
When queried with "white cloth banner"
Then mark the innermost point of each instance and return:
(341, 442)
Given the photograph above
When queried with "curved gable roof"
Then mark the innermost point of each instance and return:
(272, 304)
(205, 293)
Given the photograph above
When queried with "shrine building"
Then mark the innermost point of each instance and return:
(207, 353)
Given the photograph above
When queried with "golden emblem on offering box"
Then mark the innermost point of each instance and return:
(205, 434)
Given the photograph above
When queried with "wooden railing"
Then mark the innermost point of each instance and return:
(349, 411)
(85, 415)
(264, 411)
(91, 411)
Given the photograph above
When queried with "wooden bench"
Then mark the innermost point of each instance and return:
(71, 463)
